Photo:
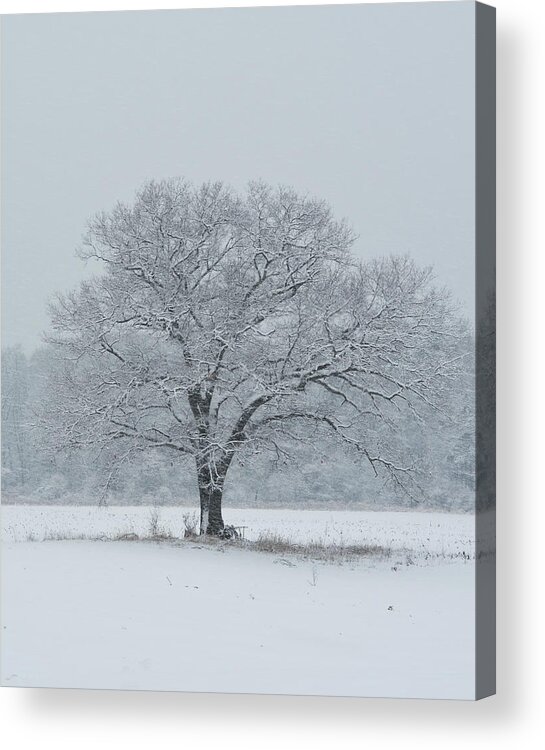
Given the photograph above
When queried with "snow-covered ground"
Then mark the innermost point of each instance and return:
(145, 615)
(421, 534)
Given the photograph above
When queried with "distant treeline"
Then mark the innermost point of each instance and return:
(33, 471)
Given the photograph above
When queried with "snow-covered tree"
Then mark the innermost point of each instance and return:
(223, 325)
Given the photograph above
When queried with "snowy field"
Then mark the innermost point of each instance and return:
(141, 615)
(420, 534)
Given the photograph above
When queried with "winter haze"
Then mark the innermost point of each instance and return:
(368, 108)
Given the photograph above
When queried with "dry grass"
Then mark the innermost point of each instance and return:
(63, 536)
(317, 550)
(271, 543)
(266, 542)
(157, 536)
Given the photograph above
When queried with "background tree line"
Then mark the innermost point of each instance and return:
(33, 471)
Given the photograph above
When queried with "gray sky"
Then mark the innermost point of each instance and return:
(370, 107)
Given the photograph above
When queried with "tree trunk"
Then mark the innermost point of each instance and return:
(215, 518)
(211, 494)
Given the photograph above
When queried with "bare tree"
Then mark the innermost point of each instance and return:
(225, 325)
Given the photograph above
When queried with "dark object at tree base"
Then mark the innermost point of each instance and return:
(228, 532)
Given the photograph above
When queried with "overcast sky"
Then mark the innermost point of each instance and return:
(370, 107)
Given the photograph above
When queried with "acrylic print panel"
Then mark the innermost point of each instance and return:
(248, 350)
